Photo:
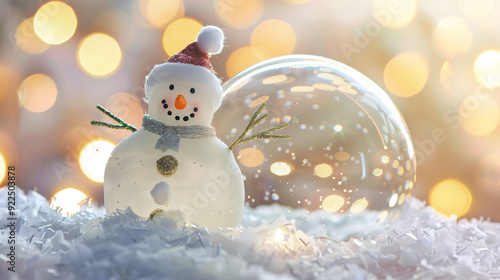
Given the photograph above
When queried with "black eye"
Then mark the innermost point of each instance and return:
(171, 87)
(192, 90)
(163, 101)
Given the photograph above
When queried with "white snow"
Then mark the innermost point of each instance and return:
(88, 245)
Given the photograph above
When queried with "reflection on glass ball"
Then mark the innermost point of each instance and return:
(351, 154)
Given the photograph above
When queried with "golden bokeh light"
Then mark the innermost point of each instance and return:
(68, 201)
(487, 69)
(26, 38)
(274, 38)
(476, 8)
(243, 58)
(359, 206)
(280, 168)
(382, 216)
(239, 14)
(450, 197)
(160, 12)
(377, 172)
(332, 203)
(129, 108)
(479, 117)
(5, 81)
(323, 170)
(406, 74)
(179, 34)
(93, 159)
(453, 37)
(394, 14)
(342, 156)
(37, 93)
(402, 199)
(393, 200)
(3, 168)
(251, 157)
(99, 55)
(55, 22)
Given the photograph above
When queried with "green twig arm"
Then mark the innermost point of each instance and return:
(123, 125)
(255, 120)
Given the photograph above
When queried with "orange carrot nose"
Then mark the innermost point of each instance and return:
(180, 102)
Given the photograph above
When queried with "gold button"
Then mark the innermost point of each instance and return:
(167, 165)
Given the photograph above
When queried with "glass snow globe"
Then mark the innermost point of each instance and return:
(350, 162)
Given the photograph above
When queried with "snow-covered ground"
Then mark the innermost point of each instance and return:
(88, 245)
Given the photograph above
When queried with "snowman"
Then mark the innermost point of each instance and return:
(175, 165)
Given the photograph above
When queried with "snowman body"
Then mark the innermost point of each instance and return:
(205, 190)
(196, 181)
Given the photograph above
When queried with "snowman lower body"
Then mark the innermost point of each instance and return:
(200, 184)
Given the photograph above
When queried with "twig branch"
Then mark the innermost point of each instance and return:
(123, 125)
(255, 120)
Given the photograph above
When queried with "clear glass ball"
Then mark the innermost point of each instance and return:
(350, 156)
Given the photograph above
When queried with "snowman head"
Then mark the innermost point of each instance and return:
(184, 90)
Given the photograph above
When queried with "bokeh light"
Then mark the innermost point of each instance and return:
(27, 40)
(239, 14)
(274, 38)
(179, 34)
(450, 197)
(68, 201)
(243, 58)
(55, 22)
(487, 69)
(453, 37)
(280, 168)
(160, 12)
(406, 74)
(394, 14)
(4, 81)
(359, 206)
(476, 8)
(93, 159)
(479, 117)
(3, 169)
(250, 157)
(99, 54)
(129, 108)
(332, 203)
(37, 93)
(323, 170)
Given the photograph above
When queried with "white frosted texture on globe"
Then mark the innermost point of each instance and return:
(206, 185)
(350, 151)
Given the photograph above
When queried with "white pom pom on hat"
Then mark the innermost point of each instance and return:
(210, 40)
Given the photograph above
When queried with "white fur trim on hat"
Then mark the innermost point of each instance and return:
(210, 39)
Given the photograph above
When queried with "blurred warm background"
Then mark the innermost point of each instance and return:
(439, 61)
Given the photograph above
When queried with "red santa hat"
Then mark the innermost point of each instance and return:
(210, 41)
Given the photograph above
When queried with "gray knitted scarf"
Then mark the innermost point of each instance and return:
(170, 136)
